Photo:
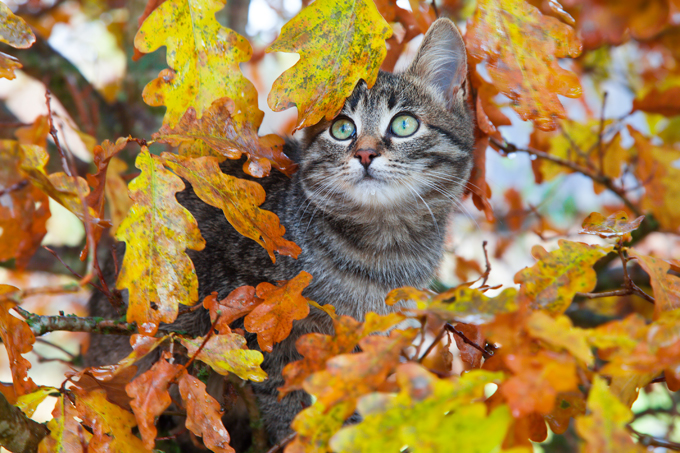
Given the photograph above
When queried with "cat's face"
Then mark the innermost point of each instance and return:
(406, 141)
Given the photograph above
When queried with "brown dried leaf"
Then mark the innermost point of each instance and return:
(204, 415)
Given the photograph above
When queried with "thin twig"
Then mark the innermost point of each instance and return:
(617, 292)
(487, 271)
(56, 346)
(280, 446)
(434, 343)
(650, 441)
(452, 329)
(600, 141)
(17, 186)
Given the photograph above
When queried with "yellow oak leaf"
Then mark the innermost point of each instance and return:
(560, 333)
(315, 425)
(14, 30)
(339, 43)
(616, 225)
(111, 424)
(237, 198)
(272, 320)
(522, 48)
(661, 179)
(156, 269)
(24, 209)
(604, 428)
(554, 280)
(204, 60)
(141, 345)
(69, 192)
(217, 133)
(228, 354)
(29, 402)
(66, 434)
(471, 306)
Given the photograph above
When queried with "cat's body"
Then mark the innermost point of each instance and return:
(368, 211)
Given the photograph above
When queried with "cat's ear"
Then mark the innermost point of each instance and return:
(441, 61)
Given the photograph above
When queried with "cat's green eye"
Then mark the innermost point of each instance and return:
(342, 129)
(404, 125)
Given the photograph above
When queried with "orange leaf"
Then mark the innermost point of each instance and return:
(66, 434)
(237, 304)
(616, 225)
(116, 194)
(272, 320)
(537, 380)
(23, 211)
(665, 103)
(228, 354)
(349, 376)
(18, 339)
(552, 283)
(150, 397)
(156, 269)
(469, 354)
(142, 345)
(522, 47)
(114, 385)
(225, 136)
(568, 406)
(239, 200)
(35, 134)
(666, 286)
(204, 415)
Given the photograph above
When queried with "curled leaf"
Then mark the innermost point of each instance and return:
(18, 339)
(228, 354)
(616, 225)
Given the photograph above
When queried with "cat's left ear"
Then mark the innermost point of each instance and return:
(441, 61)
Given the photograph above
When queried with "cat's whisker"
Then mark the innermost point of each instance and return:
(412, 189)
(457, 202)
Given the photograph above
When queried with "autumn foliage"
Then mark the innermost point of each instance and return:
(561, 354)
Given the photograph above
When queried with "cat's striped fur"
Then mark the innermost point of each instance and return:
(363, 231)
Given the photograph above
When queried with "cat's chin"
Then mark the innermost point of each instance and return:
(373, 192)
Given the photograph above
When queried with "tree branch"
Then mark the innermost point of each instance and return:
(18, 433)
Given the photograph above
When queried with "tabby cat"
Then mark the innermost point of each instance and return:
(369, 207)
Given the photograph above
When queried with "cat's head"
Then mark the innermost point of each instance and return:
(406, 141)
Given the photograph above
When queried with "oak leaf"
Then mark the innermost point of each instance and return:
(272, 320)
(110, 424)
(315, 425)
(568, 406)
(339, 43)
(36, 133)
(29, 402)
(616, 225)
(116, 194)
(657, 100)
(217, 133)
(228, 354)
(561, 334)
(604, 429)
(348, 376)
(317, 348)
(142, 345)
(150, 397)
(554, 280)
(471, 306)
(204, 415)
(204, 60)
(656, 171)
(18, 339)
(522, 48)
(666, 286)
(24, 209)
(156, 268)
(69, 192)
(15, 32)
(239, 200)
(237, 304)
(113, 384)
(428, 414)
(66, 434)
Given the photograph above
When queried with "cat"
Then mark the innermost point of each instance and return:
(368, 206)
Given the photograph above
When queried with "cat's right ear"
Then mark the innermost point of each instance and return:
(441, 61)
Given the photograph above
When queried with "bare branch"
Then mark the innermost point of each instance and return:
(19, 433)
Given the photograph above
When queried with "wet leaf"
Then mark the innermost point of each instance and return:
(228, 354)
(111, 425)
(7, 66)
(616, 225)
(23, 211)
(666, 286)
(204, 60)
(522, 47)
(18, 339)
(216, 133)
(150, 397)
(339, 43)
(554, 280)
(113, 384)
(272, 320)
(561, 334)
(661, 180)
(604, 429)
(429, 415)
(239, 200)
(29, 402)
(66, 434)
(157, 232)
(14, 30)
(142, 345)
(471, 306)
(237, 304)
(349, 376)
(63, 189)
(204, 415)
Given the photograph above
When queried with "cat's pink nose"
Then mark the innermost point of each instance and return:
(366, 156)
